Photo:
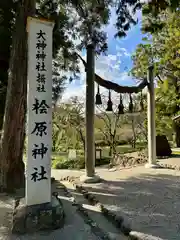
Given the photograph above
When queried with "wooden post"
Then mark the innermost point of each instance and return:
(151, 120)
(89, 141)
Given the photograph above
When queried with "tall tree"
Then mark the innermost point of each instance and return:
(12, 167)
(152, 12)
(64, 60)
(7, 14)
(12, 140)
(164, 54)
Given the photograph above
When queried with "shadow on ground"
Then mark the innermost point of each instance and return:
(101, 226)
(150, 202)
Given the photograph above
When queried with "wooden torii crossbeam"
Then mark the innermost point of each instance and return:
(114, 86)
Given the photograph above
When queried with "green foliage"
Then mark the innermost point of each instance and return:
(110, 129)
(125, 18)
(68, 126)
(105, 143)
(78, 163)
(65, 58)
(73, 21)
(153, 12)
(91, 16)
(65, 163)
(163, 50)
(62, 162)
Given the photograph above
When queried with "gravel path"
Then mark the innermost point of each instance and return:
(97, 217)
(148, 198)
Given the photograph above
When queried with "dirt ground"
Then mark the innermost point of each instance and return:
(6, 210)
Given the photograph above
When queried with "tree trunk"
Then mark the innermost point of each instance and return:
(12, 140)
(134, 134)
(6, 26)
(2, 105)
(82, 139)
(110, 151)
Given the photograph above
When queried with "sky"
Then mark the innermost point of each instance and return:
(115, 65)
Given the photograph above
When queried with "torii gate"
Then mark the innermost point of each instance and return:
(91, 76)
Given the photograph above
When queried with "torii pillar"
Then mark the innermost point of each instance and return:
(90, 176)
(152, 163)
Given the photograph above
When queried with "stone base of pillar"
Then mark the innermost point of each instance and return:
(31, 219)
(86, 179)
(150, 165)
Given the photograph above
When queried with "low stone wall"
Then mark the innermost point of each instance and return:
(127, 160)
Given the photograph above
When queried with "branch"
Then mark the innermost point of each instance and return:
(116, 125)
(105, 134)
(114, 86)
(160, 78)
(102, 117)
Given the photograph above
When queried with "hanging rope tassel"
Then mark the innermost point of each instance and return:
(130, 104)
(109, 103)
(98, 97)
(121, 106)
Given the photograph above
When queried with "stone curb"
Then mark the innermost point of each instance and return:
(94, 227)
(117, 221)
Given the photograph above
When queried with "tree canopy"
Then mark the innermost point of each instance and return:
(161, 48)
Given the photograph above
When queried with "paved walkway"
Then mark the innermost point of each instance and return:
(148, 198)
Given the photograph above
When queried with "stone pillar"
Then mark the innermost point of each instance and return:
(89, 141)
(151, 120)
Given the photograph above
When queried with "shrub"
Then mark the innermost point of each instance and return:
(102, 161)
(62, 162)
(65, 163)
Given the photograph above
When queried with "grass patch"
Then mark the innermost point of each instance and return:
(62, 162)
(123, 149)
(176, 152)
